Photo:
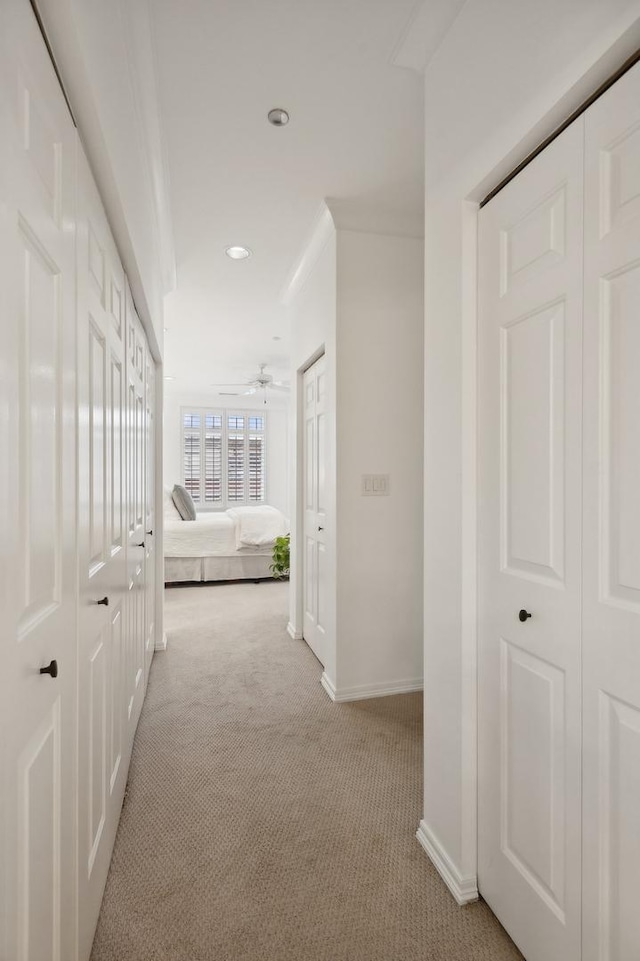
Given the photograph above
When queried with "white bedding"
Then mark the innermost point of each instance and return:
(220, 534)
(257, 526)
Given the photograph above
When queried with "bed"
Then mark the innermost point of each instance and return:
(236, 544)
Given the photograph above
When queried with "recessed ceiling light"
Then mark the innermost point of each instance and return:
(278, 117)
(277, 338)
(238, 253)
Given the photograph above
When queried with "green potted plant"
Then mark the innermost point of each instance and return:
(280, 566)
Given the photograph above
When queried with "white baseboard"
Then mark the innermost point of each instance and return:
(291, 631)
(364, 691)
(328, 686)
(162, 644)
(463, 889)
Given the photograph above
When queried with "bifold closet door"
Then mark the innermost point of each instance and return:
(102, 547)
(136, 514)
(611, 621)
(150, 524)
(529, 553)
(314, 550)
(38, 594)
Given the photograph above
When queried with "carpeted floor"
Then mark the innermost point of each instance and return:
(265, 823)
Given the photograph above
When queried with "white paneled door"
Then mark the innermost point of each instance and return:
(102, 548)
(38, 502)
(314, 386)
(611, 621)
(136, 514)
(78, 618)
(559, 542)
(529, 461)
(150, 523)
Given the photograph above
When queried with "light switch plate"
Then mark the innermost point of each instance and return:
(375, 485)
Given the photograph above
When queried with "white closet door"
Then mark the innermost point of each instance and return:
(611, 622)
(37, 504)
(136, 415)
(103, 751)
(150, 524)
(529, 464)
(314, 556)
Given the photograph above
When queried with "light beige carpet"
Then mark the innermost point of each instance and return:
(265, 823)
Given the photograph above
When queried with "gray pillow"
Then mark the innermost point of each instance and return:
(184, 502)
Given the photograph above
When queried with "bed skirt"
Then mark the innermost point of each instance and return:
(236, 567)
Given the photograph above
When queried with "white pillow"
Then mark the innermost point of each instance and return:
(170, 510)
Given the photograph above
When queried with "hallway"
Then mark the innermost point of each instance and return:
(261, 820)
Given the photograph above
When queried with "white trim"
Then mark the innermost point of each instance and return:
(464, 889)
(365, 691)
(469, 555)
(423, 34)
(360, 217)
(322, 229)
(328, 686)
(291, 631)
(162, 644)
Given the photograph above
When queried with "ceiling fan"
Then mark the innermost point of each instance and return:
(261, 381)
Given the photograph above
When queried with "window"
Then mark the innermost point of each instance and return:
(224, 457)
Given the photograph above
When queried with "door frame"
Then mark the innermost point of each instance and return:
(462, 879)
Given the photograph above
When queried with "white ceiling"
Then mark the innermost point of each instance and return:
(356, 135)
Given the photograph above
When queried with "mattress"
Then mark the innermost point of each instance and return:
(210, 535)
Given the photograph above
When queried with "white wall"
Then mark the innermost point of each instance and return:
(359, 297)
(379, 353)
(278, 447)
(504, 77)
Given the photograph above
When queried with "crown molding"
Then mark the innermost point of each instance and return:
(370, 218)
(426, 28)
(323, 228)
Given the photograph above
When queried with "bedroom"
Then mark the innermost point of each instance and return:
(227, 448)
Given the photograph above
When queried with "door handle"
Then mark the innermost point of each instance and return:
(321, 528)
(104, 601)
(51, 669)
(523, 615)
(150, 533)
(140, 545)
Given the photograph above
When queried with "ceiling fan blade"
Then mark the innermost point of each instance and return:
(228, 386)
(280, 387)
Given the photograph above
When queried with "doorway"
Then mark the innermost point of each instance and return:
(314, 512)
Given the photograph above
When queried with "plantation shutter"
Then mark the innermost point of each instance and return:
(256, 460)
(213, 459)
(224, 457)
(235, 459)
(191, 454)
